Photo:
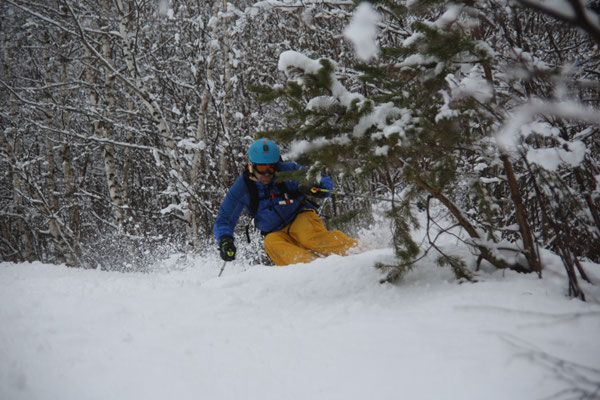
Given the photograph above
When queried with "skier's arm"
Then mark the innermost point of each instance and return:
(323, 182)
(235, 201)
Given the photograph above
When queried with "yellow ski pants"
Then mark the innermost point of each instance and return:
(306, 235)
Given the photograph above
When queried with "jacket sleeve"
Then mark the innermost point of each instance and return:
(324, 180)
(235, 201)
(326, 183)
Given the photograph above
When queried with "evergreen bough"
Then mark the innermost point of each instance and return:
(437, 98)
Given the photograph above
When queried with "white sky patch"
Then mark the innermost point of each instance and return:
(362, 31)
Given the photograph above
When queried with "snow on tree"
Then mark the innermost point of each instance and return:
(461, 120)
(489, 109)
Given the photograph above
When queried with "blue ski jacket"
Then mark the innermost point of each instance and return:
(273, 212)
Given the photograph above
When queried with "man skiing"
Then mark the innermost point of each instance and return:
(293, 231)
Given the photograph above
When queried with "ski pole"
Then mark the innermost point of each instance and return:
(222, 268)
(314, 190)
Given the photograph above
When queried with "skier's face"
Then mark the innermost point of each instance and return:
(264, 179)
(264, 173)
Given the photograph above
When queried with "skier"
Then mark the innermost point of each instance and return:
(293, 231)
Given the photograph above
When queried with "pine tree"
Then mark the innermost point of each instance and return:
(440, 99)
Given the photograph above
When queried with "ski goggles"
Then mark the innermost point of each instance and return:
(263, 169)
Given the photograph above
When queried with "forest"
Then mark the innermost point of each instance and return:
(124, 122)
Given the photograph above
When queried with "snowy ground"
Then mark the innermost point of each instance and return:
(325, 330)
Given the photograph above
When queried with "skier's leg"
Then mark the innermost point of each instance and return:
(308, 230)
(283, 250)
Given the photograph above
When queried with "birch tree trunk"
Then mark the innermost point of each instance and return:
(226, 148)
(52, 203)
(24, 243)
(127, 167)
(66, 157)
(165, 134)
(106, 131)
(198, 160)
(125, 189)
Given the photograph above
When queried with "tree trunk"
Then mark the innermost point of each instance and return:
(126, 175)
(24, 244)
(52, 203)
(67, 159)
(106, 131)
(198, 160)
(164, 133)
(485, 252)
(226, 149)
(526, 234)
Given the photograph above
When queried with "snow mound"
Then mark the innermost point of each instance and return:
(324, 330)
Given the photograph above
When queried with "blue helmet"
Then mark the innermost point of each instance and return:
(263, 151)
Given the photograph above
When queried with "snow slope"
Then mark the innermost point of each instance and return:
(325, 330)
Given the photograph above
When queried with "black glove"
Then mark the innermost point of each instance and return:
(227, 248)
(312, 191)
